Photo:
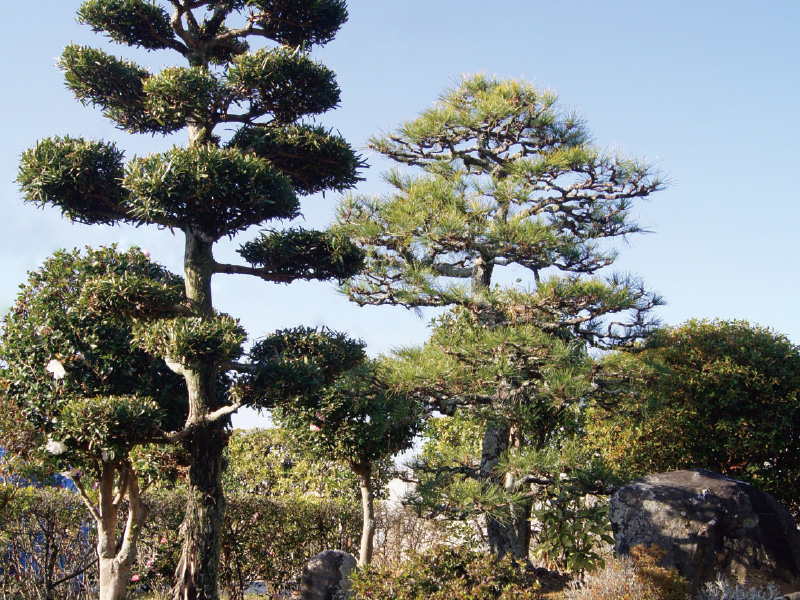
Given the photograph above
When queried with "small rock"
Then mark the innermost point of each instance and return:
(327, 576)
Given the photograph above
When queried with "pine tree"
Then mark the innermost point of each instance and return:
(496, 175)
(209, 189)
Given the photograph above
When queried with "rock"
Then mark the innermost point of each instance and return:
(327, 576)
(708, 524)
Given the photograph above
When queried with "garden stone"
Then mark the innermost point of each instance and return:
(708, 524)
(327, 576)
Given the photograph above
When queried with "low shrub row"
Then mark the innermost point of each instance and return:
(48, 541)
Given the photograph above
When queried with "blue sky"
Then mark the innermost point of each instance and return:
(708, 91)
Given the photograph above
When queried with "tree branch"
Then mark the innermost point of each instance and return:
(260, 272)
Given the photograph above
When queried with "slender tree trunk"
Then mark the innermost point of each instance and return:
(364, 472)
(115, 566)
(506, 535)
(198, 568)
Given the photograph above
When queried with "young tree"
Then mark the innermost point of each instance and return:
(717, 395)
(208, 190)
(498, 176)
(358, 420)
(78, 397)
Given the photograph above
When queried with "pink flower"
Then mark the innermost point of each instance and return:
(163, 539)
(135, 577)
(314, 427)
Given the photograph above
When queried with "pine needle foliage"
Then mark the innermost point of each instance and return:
(493, 178)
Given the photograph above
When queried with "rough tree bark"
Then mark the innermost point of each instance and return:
(508, 535)
(197, 571)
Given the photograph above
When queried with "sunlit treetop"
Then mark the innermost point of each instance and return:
(266, 94)
(496, 174)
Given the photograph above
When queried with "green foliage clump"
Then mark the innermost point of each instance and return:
(272, 463)
(81, 177)
(285, 83)
(296, 361)
(216, 191)
(444, 573)
(355, 420)
(333, 164)
(130, 22)
(718, 395)
(574, 527)
(189, 340)
(300, 254)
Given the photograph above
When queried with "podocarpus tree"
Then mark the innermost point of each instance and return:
(77, 397)
(495, 175)
(208, 190)
(358, 420)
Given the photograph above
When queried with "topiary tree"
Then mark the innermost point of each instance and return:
(717, 395)
(496, 175)
(360, 421)
(79, 398)
(208, 190)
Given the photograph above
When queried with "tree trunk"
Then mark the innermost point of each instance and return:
(506, 535)
(364, 472)
(115, 566)
(198, 568)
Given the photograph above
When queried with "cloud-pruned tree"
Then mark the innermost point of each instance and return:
(358, 420)
(79, 397)
(208, 190)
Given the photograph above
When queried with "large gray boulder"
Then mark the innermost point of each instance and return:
(327, 576)
(707, 524)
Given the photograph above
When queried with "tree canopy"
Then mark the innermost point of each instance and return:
(79, 397)
(716, 395)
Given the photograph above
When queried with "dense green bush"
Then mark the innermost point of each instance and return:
(264, 539)
(719, 395)
(446, 573)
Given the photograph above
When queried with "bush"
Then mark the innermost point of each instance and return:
(47, 535)
(445, 573)
(725, 589)
(719, 395)
(48, 542)
(264, 539)
(638, 577)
